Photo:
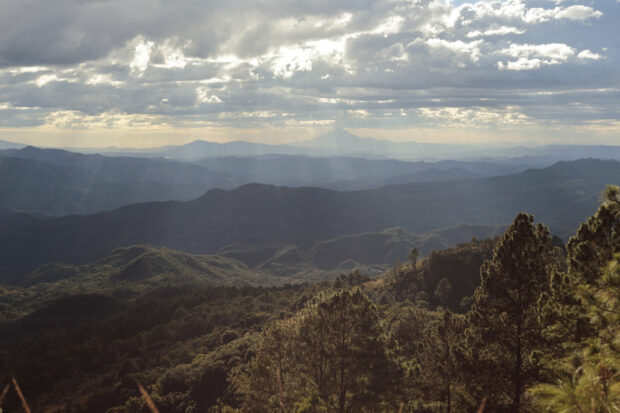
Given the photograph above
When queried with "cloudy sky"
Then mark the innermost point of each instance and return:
(152, 72)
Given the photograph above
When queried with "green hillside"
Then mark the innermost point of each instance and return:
(125, 272)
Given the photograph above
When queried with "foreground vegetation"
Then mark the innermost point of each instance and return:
(519, 321)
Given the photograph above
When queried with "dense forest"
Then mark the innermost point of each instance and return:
(517, 323)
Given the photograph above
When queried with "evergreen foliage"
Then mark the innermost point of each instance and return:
(331, 353)
(589, 378)
(505, 331)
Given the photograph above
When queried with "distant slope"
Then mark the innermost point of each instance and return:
(340, 142)
(558, 152)
(204, 149)
(132, 271)
(124, 273)
(10, 145)
(337, 142)
(427, 175)
(372, 252)
(123, 169)
(344, 173)
(561, 196)
(30, 185)
(343, 143)
(57, 182)
(142, 266)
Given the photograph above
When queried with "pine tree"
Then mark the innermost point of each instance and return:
(442, 292)
(408, 342)
(597, 239)
(590, 381)
(331, 355)
(355, 371)
(413, 256)
(589, 251)
(505, 331)
(444, 358)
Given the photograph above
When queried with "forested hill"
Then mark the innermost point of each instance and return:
(561, 195)
(537, 332)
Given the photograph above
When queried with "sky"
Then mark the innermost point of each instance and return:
(138, 73)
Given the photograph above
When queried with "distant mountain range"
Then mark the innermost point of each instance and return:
(339, 142)
(58, 182)
(345, 173)
(561, 196)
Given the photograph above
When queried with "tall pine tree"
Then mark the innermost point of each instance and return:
(505, 331)
(589, 251)
(330, 357)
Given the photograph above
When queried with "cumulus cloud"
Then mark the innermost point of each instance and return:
(578, 12)
(498, 31)
(475, 116)
(533, 56)
(588, 54)
(123, 63)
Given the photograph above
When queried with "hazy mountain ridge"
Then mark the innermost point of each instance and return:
(58, 182)
(340, 142)
(10, 145)
(120, 169)
(561, 195)
(35, 186)
(343, 173)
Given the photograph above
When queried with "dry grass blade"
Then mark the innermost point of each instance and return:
(402, 406)
(481, 408)
(21, 396)
(149, 402)
(4, 392)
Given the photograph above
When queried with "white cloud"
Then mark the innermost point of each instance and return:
(523, 63)
(45, 79)
(204, 96)
(498, 31)
(470, 49)
(102, 79)
(578, 12)
(518, 10)
(533, 56)
(72, 119)
(475, 116)
(588, 54)
(142, 54)
(359, 113)
(553, 51)
(292, 59)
